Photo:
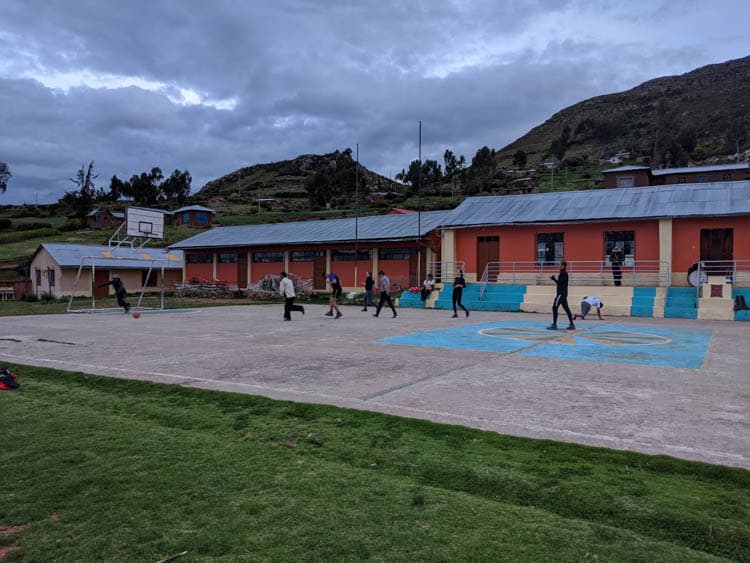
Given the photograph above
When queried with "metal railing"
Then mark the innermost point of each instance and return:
(734, 272)
(581, 272)
(444, 271)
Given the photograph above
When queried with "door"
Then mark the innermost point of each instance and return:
(488, 250)
(242, 270)
(319, 268)
(100, 277)
(717, 251)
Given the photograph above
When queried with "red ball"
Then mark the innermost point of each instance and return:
(136, 315)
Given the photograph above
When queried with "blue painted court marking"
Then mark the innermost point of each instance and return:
(626, 344)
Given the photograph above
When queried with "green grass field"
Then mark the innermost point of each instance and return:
(105, 469)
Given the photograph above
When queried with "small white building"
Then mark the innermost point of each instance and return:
(54, 268)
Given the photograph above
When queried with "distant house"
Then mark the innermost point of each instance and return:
(193, 216)
(522, 186)
(269, 202)
(373, 197)
(54, 268)
(640, 176)
(104, 219)
(217, 201)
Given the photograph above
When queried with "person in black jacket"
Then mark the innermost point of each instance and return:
(369, 284)
(458, 290)
(616, 258)
(120, 291)
(561, 297)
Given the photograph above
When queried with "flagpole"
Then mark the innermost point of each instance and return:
(356, 221)
(419, 209)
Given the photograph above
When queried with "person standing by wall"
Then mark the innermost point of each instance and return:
(120, 291)
(385, 294)
(369, 284)
(286, 289)
(616, 258)
(561, 297)
(335, 282)
(458, 291)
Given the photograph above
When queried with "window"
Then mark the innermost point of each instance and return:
(350, 255)
(148, 280)
(681, 180)
(549, 248)
(51, 277)
(201, 217)
(38, 277)
(268, 257)
(625, 181)
(623, 239)
(395, 253)
(200, 258)
(227, 258)
(726, 177)
(703, 178)
(306, 255)
(186, 217)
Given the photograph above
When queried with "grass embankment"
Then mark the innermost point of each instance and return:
(103, 469)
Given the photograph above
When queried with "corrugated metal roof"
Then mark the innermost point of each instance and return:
(193, 208)
(678, 200)
(695, 169)
(374, 228)
(627, 168)
(70, 255)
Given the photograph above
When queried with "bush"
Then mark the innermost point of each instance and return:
(29, 296)
(33, 226)
(5, 224)
(47, 297)
(70, 225)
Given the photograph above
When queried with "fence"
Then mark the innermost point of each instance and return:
(581, 272)
(444, 271)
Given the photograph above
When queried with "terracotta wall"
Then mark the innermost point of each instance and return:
(345, 271)
(686, 239)
(582, 242)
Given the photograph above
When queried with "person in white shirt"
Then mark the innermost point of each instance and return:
(427, 286)
(588, 302)
(286, 289)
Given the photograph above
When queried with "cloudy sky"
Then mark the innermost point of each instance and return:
(210, 86)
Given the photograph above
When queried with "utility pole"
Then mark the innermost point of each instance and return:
(356, 220)
(419, 208)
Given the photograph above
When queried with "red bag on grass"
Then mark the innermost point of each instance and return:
(8, 380)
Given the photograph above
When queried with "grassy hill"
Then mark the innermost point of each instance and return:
(705, 112)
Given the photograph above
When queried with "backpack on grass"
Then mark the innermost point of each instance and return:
(8, 380)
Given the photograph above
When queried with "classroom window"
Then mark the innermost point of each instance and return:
(395, 253)
(549, 248)
(201, 217)
(350, 255)
(38, 277)
(267, 257)
(681, 180)
(703, 178)
(623, 239)
(186, 217)
(148, 279)
(306, 255)
(200, 258)
(726, 177)
(51, 277)
(227, 258)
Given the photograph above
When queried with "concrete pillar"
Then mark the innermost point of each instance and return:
(665, 245)
(215, 266)
(249, 269)
(375, 263)
(286, 260)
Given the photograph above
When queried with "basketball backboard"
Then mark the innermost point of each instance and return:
(146, 223)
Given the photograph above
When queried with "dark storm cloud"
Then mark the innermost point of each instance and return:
(101, 80)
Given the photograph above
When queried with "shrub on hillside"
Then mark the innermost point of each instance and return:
(5, 224)
(33, 226)
(70, 225)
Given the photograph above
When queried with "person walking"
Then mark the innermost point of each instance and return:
(616, 258)
(561, 297)
(587, 303)
(458, 291)
(369, 284)
(385, 294)
(286, 289)
(335, 282)
(120, 291)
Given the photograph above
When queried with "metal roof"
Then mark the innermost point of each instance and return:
(694, 169)
(678, 200)
(627, 168)
(70, 255)
(193, 208)
(373, 228)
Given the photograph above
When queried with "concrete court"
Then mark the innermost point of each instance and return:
(698, 413)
